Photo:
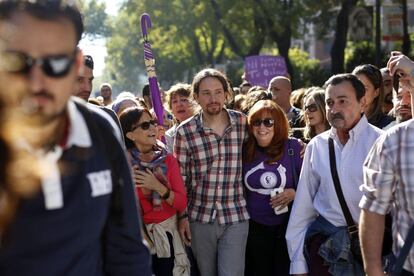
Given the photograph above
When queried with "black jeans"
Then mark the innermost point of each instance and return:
(406, 273)
(164, 266)
(266, 250)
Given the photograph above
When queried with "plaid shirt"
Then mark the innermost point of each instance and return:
(389, 182)
(211, 166)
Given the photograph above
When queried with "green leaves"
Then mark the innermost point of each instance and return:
(95, 19)
(187, 35)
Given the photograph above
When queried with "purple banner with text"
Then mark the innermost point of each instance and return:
(261, 69)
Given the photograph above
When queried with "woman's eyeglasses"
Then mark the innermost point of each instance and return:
(311, 107)
(146, 125)
(55, 66)
(267, 122)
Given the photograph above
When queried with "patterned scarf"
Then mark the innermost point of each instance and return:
(159, 169)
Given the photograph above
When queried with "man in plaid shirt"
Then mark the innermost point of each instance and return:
(388, 183)
(208, 147)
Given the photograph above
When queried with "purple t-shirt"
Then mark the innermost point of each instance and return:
(260, 178)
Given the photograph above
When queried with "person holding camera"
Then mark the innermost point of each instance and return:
(160, 189)
(271, 166)
(321, 224)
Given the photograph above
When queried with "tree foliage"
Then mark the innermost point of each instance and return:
(95, 19)
(125, 54)
(308, 72)
(363, 52)
(188, 35)
(184, 38)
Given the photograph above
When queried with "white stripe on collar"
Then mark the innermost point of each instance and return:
(78, 132)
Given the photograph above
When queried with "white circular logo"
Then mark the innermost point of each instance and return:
(268, 180)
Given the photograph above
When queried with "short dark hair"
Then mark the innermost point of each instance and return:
(88, 61)
(46, 10)
(352, 79)
(146, 90)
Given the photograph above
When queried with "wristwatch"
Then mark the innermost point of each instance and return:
(183, 216)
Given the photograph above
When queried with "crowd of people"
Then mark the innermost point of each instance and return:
(237, 181)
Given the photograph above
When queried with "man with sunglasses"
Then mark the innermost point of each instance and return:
(208, 147)
(317, 226)
(83, 218)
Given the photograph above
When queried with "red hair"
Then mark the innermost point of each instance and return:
(281, 130)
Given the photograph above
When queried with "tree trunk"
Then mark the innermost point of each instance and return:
(257, 41)
(341, 33)
(259, 34)
(283, 42)
(197, 49)
(378, 37)
(230, 38)
(282, 38)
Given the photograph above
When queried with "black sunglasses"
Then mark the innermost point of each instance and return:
(146, 125)
(311, 107)
(267, 122)
(55, 66)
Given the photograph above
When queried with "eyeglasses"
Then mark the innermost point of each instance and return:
(311, 107)
(146, 125)
(54, 66)
(267, 122)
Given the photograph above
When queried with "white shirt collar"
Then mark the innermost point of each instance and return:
(78, 130)
(355, 132)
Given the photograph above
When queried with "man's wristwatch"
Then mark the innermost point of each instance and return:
(183, 216)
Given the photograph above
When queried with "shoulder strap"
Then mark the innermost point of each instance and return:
(291, 153)
(399, 262)
(405, 250)
(347, 214)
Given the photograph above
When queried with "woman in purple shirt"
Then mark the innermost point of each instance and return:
(271, 165)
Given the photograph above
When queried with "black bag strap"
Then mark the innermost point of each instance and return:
(399, 262)
(352, 227)
(291, 153)
(405, 250)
